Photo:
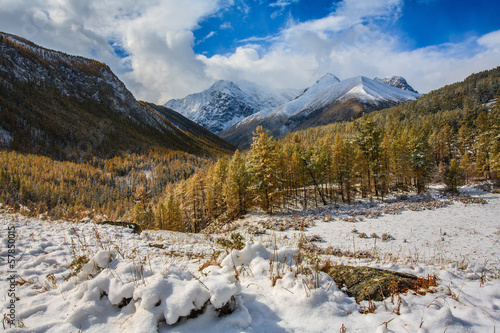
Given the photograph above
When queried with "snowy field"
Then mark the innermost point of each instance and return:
(83, 277)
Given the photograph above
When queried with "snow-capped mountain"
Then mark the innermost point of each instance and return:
(327, 101)
(225, 103)
(396, 81)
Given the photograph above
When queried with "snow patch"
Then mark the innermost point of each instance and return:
(5, 137)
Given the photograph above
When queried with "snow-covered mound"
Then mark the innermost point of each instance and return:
(225, 103)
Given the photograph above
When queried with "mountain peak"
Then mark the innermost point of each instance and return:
(328, 100)
(396, 81)
(328, 77)
(223, 84)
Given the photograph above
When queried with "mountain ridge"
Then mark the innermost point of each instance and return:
(328, 100)
(225, 103)
(68, 107)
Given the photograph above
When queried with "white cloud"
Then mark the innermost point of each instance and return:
(226, 25)
(157, 36)
(282, 3)
(491, 40)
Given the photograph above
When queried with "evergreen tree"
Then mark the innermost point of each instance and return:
(420, 161)
(369, 141)
(483, 144)
(454, 177)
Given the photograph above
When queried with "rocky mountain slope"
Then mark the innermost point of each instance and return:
(396, 81)
(68, 107)
(225, 103)
(328, 100)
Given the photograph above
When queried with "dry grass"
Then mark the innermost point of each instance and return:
(369, 308)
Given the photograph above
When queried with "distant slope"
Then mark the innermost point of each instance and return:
(69, 107)
(328, 100)
(188, 131)
(225, 103)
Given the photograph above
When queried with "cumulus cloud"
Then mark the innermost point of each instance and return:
(156, 37)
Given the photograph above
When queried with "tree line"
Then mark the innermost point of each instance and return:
(99, 188)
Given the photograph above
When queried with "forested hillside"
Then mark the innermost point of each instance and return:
(450, 135)
(100, 189)
(74, 142)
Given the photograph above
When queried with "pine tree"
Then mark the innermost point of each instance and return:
(369, 141)
(454, 177)
(420, 160)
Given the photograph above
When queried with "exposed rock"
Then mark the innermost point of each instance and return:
(136, 229)
(366, 283)
(396, 81)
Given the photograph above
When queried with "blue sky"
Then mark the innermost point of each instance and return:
(165, 49)
(259, 19)
(419, 23)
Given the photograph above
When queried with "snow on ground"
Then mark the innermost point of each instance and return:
(82, 277)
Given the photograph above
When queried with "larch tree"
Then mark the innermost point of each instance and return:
(174, 220)
(343, 166)
(262, 167)
(467, 167)
(235, 186)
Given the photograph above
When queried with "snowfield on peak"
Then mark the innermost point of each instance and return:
(329, 89)
(70, 277)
